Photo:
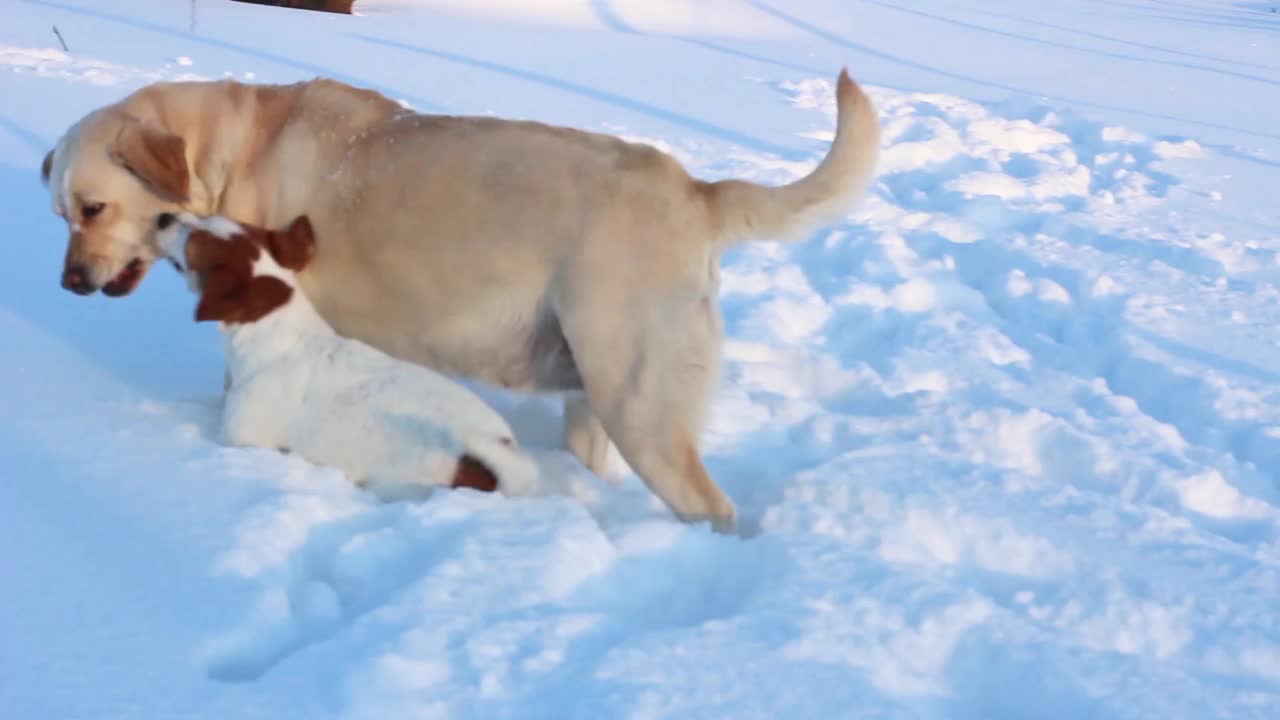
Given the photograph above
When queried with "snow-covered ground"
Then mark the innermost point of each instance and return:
(1006, 442)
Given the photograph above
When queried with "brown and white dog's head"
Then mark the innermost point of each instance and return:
(241, 272)
(109, 176)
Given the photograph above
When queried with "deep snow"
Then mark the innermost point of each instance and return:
(1006, 442)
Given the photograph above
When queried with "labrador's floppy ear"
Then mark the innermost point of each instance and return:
(294, 246)
(155, 156)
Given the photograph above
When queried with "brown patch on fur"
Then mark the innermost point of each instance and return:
(46, 167)
(294, 246)
(471, 473)
(155, 156)
(229, 291)
(342, 7)
(234, 303)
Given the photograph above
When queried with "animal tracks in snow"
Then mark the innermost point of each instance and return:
(971, 427)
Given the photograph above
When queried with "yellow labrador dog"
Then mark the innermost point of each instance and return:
(528, 256)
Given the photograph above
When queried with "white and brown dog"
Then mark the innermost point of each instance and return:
(396, 428)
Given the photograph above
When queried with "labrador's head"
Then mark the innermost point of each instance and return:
(109, 176)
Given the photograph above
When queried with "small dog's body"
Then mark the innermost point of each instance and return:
(296, 385)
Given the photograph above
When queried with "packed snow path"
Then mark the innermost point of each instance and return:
(1006, 444)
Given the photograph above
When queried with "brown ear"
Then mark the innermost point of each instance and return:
(227, 299)
(219, 295)
(263, 295)
(294, 246)
(155, 156)
(206, 251)
(46, 167)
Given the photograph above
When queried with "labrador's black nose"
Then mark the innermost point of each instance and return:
(164, 220)
(76, 279)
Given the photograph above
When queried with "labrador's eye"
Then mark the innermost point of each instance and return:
(164, 220)
(91, 209)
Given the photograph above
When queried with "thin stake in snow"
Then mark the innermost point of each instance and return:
(64, 42)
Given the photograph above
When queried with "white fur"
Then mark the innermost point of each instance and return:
(223, 227)
(60, 177)
(395, 427)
